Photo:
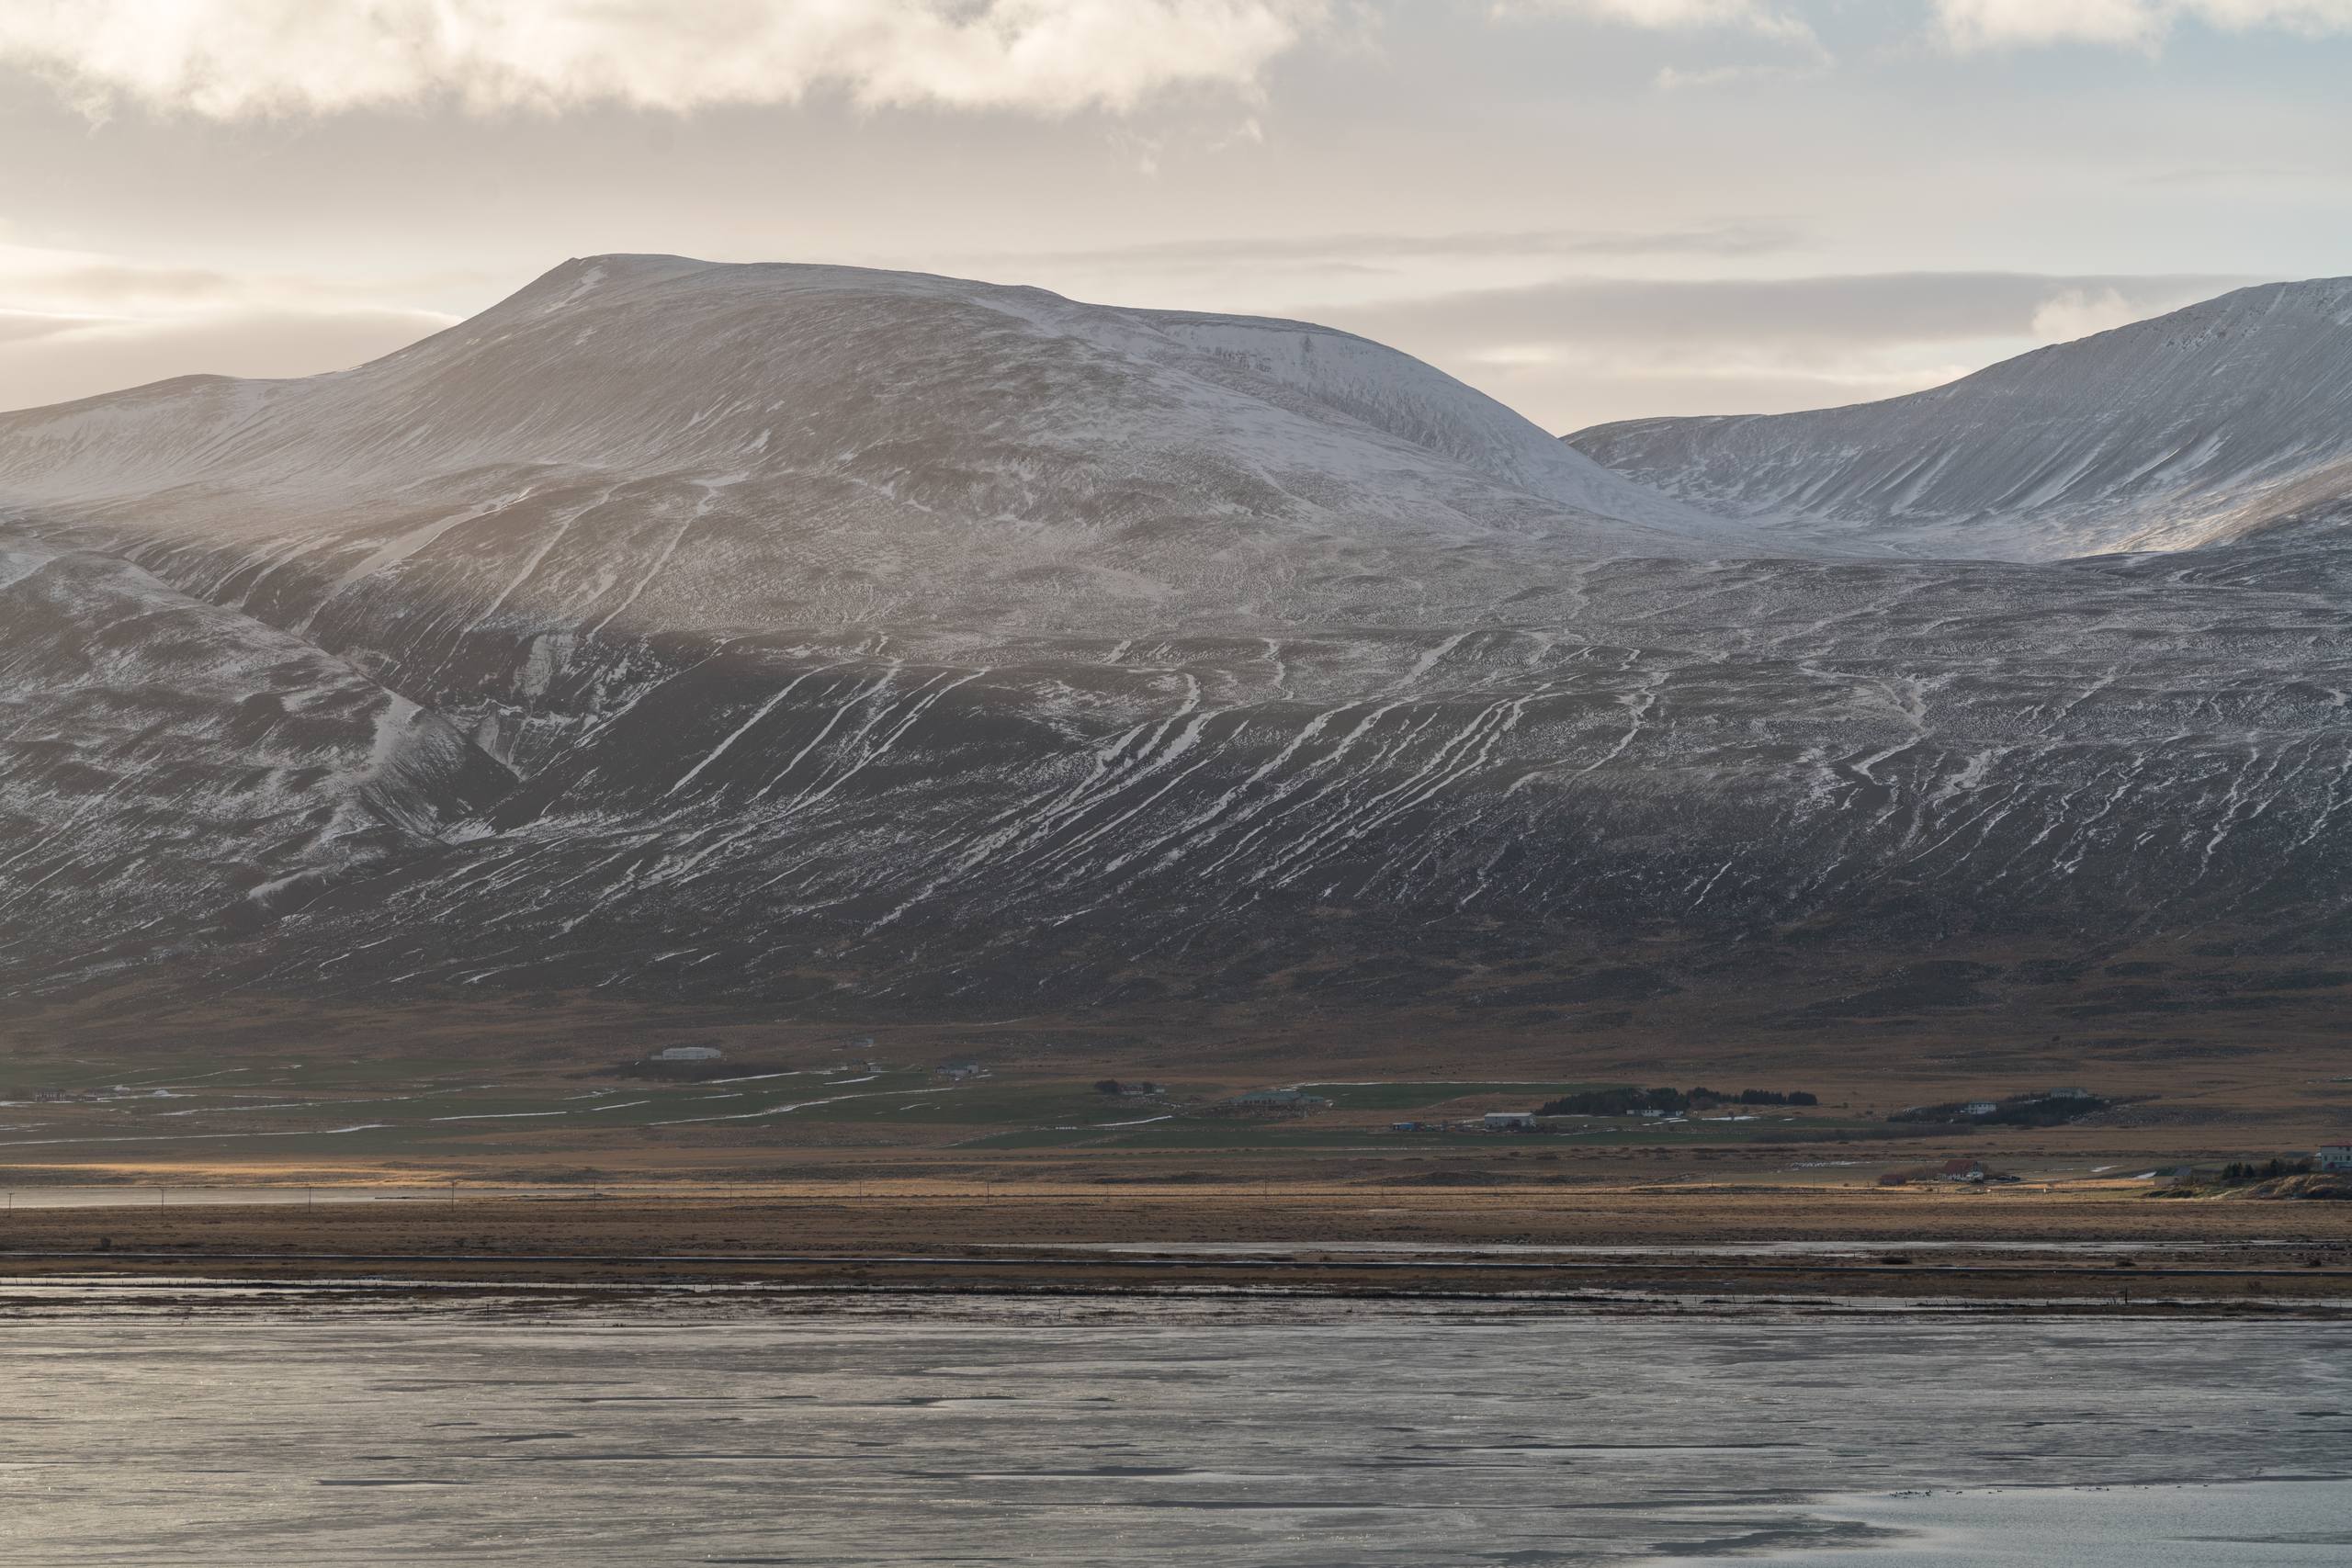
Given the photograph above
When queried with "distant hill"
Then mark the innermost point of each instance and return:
(2204, 424)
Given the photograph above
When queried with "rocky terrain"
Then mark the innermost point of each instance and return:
(862, 644)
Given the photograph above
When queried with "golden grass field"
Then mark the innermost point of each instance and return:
(844, 1139)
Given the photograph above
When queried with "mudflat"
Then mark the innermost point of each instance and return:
(2094, 1248)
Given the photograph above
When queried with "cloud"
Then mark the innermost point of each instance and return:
(2140, 24)
(2079, 312)
(17, 326)
(61, 358)
(241, 58)
(1674, 78)
(1730, 239)
(1672, 15)
(1580, 352)
(1930, 307)
(74, 323)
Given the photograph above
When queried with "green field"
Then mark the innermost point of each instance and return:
(1415, 1096)
(420, 1106)
(1207, 1134)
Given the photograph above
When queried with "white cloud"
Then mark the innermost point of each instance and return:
(76, 323)
(238, 59)
(1676, 78)
(1676, 16)
(56, 359)
(2143, 24)
(2079, 312)
(1575, 352)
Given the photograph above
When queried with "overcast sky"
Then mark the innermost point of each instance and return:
(1592, 208)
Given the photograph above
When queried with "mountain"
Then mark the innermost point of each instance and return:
(167, 767)
(855, 645)
(2205, 424)
(635, 410)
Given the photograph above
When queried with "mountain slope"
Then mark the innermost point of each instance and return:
(1905, 756)
(2200, 426)
(866, 644)
(867, 419)
(169, 770)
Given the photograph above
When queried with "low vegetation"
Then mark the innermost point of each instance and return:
(1668, 1101)
(2238, 1171)
(2017, 1110)
(697, 1071)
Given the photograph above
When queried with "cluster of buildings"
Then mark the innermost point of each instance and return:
(1971, 1172)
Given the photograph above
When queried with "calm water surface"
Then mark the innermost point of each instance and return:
(154, 1426)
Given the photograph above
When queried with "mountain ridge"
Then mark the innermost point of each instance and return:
(2196, 426)
(836, 643)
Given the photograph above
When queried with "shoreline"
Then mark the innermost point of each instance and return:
(1732, 1246)
(49, 1296)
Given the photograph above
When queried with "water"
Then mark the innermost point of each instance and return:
(1767, 1249)
(254, 1426)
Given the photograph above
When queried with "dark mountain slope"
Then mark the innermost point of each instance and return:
(170, 771)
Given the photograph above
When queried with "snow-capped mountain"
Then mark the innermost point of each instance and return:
(2203, 424)
(846, 641)
(660, 443)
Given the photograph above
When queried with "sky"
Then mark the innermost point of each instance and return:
(1592, 209)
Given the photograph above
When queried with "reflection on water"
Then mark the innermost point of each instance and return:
(256, 1428)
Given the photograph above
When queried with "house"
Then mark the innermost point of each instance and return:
(1403, 1126)
(1963, 1171)
(688, 1054)
(1980, 1108)
(2333, 1157)
(958, 1072)
(1509, 1120)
